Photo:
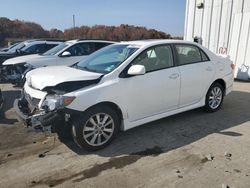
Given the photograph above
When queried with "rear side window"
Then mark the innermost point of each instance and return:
(188, 54)
(100, 45)
(37, 48)
(49, 46)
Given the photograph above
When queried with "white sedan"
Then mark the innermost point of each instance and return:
(125, 85)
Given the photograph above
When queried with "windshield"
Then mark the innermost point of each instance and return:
(107, 59)
(13, 45)
(19, 46)
(56, 49)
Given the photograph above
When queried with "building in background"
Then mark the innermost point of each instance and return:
(223, 26)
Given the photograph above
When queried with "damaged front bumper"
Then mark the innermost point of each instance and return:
(38, 109)
(32, 117)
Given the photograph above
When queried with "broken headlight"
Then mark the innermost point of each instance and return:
(55, 102)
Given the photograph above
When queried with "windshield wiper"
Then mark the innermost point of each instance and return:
(87, 69)
(83, 68)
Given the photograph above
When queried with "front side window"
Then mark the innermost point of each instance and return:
(81, 49)
(155, 58)
(107, 59)
(188, 54)
(37, 48)
(56, 49)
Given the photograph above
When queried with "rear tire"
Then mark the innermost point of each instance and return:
(96, 128)
(214, 97)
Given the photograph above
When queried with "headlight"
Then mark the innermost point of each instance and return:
(53, 102)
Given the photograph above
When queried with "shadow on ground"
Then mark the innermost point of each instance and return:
(168, 133)
(178, 130)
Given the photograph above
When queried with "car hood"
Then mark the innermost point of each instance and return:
(22, 59)
(51, 76)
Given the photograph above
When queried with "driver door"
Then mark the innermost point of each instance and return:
(157, 91)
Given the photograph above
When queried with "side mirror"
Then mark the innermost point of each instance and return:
(136, 70)
(18, 51)
(66, 54)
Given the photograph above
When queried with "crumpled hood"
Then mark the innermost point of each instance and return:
(54, 75)
(23, 59)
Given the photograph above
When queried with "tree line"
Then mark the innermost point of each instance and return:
(17, 29)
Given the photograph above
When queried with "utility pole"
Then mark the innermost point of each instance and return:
(74, 25)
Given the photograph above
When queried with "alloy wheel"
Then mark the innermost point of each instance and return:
(215, 97)
(98, 129)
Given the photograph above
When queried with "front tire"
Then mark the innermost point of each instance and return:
(214, 97)
(96, 128)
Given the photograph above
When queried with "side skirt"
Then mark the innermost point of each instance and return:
(129, 125)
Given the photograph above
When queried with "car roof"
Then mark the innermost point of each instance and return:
(45, 39)
(89, 40)
(38, 41)
(151, 42)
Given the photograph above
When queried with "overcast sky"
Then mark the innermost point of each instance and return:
(163, 15)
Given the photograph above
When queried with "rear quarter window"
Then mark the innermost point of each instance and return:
(204, 56)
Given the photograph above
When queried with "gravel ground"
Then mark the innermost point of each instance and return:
(193, 149)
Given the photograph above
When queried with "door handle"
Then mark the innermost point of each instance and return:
(209, 68)
(174, 76)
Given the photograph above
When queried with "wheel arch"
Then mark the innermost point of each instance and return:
(78, 126)
(112, 105)
(221, 82)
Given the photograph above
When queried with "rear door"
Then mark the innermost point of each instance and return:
(196, 72)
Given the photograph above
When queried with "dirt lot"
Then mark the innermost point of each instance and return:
(185, 150)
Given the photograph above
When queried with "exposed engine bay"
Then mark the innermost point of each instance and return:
(14, 73)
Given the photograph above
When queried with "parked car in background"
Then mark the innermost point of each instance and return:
(67, 53)
(125, 85)
(10, 47)
(37, 46)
